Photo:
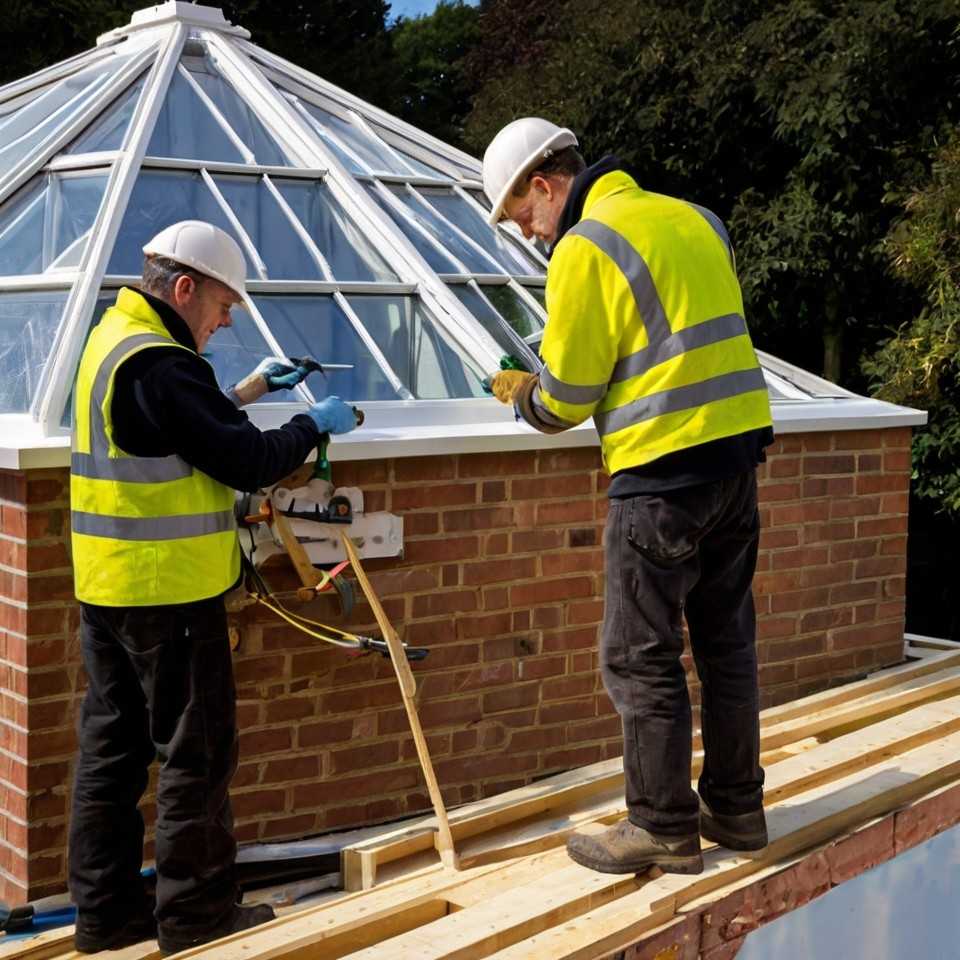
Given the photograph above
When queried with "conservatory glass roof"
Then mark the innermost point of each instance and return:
(365, 239)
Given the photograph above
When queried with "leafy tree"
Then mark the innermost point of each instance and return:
(432, 88)
(920, 364)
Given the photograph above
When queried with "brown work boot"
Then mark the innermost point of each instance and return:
(743, 831)
(626, 848)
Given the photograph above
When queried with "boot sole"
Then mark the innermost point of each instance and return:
(732, 841)
(685, 865)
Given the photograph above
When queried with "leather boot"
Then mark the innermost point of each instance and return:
(626, 848)
(241, 918)
(89, 936)
(743, 831)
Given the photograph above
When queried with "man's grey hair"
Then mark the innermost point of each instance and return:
(564, 163)
(160, 274)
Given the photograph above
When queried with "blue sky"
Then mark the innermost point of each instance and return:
(413, 8)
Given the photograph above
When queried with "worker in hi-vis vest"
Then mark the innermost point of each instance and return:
(158, 450)
(646, 334)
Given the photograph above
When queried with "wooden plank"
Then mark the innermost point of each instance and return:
(811, 818)
(408, 689)
(931, 643)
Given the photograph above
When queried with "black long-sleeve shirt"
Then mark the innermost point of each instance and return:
(167, 401)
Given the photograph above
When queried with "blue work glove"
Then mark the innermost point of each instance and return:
(281, 374)
(332, 415)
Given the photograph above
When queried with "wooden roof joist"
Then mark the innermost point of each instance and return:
(835, 761)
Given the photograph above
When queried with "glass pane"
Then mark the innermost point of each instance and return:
(27, 127)
(515, 311)
(241, 118)
(481, 198)
(438, 260)
(160, 198)
(345, 158)
(350, 254)
(108, 130)
(427, 217)
(317, 327)
(235, 351)
(106, 299)
(426, 364)
(373, 152)
(491, 321)
(468, 219)
(41, 221)
(540, 293)
(281, 249)
(28, 326)
(187, 129)
(429, 171)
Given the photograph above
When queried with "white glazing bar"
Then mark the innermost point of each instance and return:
(529, 299)
(269, 107)
(217, 166)
(314, 287)
(245, 240)
(422, 231)
(82, 161)
(345, 99)
(358, 120)
(232, 135)
(59, 138)
(62, 280)
(371, 345)
(301, 230)
(488, 279)
(527, 248)
(327, 132)
(56, 380)
(59, 71)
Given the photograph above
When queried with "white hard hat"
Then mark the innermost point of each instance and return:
(204, 247)
(514, 152)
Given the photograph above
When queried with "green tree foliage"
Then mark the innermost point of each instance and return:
(432, 88)
(920, 364)
(789, 119)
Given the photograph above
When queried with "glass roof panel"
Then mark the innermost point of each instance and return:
(368, 149)
(394, 137)
(438, 260)
(42, 220)
(108, 130)
(186, 129)
(483, 311)
(28, 325)
(27, 127)
(160, 198)
(540, 293)
(283, 252)
(427, 217)
(466, 217)
(238, 114)
(418, 166)
(236, 350)
(351, 255)
(516, 311)
(106, 299)
(353, 165)
(316, 326)
(425, 363)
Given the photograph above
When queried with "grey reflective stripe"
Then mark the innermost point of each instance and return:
(177, 527)
(717, 225)
(570, 392)
(679, 398)
(98, 464)
(635, 269)
(689, 338)
(546, 417)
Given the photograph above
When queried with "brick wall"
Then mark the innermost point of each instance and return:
(502, 579)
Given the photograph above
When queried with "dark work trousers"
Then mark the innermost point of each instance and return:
(160, 682)
(688, 552)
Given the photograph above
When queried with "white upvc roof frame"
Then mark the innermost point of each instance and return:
(55, 383)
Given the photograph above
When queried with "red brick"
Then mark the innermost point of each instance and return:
(557, 564)
(448, 601)
(442, 550)
(897, 461)
(535, 541)
(568, 461)
(258, 803)
(570, 511)
(584, 537)
(879, 567)
(827, 486)
(511, 698)
(567, 711)
(926, 818)
(433, 495)
(574, 485)
(852, 550)
(363, 758)
(421, 524)
(545, 591)
(570, 639)
(889, 526)
(496, 571)
(861, 851)
(493, 491)
(256, 742)
(454, 713)
(680, 941)
(478, 518)
(836, 463)
(882, 483)
(497, 464)
(486, 625)
(430, 469)
(323, 733)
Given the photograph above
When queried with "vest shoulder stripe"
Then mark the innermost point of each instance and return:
(636, 272)
(679, 398)
(179, 527)
(717, 225)
(680, 341)
(571, 392)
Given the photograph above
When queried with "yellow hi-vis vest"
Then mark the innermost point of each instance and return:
(145, 530)
(645, 329)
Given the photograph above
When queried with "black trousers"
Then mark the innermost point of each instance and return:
(690, 552)
(160, 682)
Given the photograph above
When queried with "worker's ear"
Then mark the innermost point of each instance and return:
(184, 289)
(542, 185)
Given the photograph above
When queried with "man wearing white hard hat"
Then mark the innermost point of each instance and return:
(158, 450)
(646, 334)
